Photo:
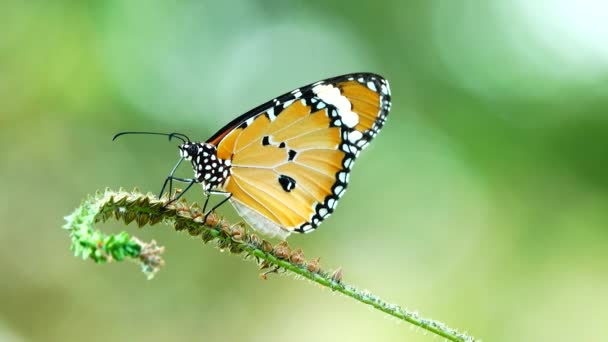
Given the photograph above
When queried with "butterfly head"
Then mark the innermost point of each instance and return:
(190, 150)
(208, 169)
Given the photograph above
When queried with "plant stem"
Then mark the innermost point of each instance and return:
(146, 209)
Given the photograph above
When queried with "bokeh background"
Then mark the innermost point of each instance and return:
(483, 203)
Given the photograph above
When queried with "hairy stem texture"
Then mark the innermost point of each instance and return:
(89, 243)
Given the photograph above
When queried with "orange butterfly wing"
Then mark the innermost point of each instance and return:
(291, 157)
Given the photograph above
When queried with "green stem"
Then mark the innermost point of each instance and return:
(146, 209)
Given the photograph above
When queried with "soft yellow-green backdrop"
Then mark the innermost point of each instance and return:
(483, 203)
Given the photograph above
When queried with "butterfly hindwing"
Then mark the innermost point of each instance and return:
(292, 156)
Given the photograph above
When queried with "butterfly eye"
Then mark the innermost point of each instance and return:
(192, 150)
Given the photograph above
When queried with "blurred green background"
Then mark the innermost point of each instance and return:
(483, 203)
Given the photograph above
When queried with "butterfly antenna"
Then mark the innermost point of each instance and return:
(178, 135)
(184, 138)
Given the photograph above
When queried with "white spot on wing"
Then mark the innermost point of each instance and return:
(350, 118)
(323, 212)
(362, 144)
(384, 89)
(287, 103)
(270, 113)
(354, 136)
(371, 86)
(331, 95)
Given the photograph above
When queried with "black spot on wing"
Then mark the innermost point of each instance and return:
(291, 155)
(287, 183)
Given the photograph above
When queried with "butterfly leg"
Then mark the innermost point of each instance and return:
(162, 190)
(215, 192)
(192, 182)
(170, 178)
(207, 195)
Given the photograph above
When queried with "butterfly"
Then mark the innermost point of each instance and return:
(285, 164)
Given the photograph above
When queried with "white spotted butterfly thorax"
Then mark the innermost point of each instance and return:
(209, 170)
(286, 164)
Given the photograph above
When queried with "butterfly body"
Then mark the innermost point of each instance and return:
(286, 164)
(210, 171)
